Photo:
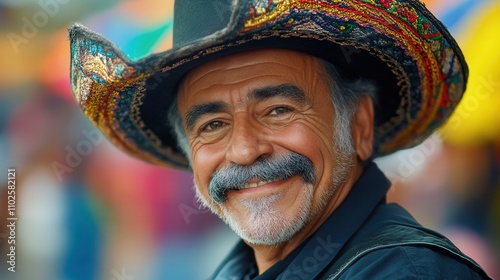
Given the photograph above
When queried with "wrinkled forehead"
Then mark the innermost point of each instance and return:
(272, 64)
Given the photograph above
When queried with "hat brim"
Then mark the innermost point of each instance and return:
(415, 63)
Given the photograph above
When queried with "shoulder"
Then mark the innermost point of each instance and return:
(401, 250)
(409, 262)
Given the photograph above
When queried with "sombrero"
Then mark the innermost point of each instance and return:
(419, 69)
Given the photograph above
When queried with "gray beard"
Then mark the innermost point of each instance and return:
(267, 225)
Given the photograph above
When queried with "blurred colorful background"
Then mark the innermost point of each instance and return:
(87, 211)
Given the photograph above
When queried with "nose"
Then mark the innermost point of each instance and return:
(247, 142)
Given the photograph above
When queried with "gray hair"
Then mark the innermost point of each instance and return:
(345, 95)
(176, 124)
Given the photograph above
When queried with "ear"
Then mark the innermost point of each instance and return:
(362, 128)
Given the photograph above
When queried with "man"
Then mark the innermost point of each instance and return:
(278, 107)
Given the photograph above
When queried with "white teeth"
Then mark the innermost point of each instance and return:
(254, 185)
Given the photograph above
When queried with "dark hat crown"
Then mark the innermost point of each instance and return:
(196, 19)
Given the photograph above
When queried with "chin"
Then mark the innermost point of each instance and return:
(265, 224)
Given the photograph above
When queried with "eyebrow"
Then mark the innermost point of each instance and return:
(284, 90)
(196, 112)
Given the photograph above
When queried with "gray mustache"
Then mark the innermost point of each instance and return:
(235, 176)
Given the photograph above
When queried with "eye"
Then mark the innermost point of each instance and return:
(211, 126)
(280, 110)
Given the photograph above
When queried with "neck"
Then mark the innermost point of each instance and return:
(268, 255)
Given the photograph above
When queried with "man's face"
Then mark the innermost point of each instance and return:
(260, 127)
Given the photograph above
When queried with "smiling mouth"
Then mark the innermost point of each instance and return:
(256, 184)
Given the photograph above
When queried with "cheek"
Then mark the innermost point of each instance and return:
(206, 159)
(313, 142)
